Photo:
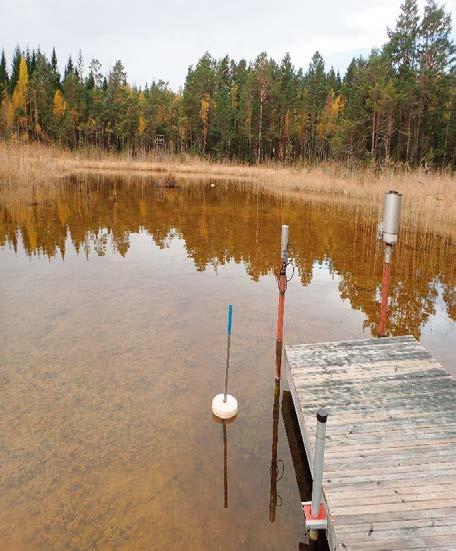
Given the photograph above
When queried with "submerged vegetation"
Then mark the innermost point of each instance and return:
(396, 105)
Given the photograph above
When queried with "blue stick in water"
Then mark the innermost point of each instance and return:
(229, 320)
(229, 323)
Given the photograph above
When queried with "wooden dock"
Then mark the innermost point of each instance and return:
(390, 458)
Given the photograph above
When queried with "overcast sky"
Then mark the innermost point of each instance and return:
(161, 39)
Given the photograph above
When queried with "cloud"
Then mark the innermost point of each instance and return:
(161, 39)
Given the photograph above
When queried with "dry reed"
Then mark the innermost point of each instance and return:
(429, 197)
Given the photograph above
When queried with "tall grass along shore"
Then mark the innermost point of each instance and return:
(429, 197)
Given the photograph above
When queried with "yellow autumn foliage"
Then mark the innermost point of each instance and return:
(21, 86)
(7, 112)
(330, 114)
(141, 125)
(204, 109)
(204, 116)
(59, 105)
(18, 101)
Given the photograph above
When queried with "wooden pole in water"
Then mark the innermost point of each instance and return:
(281, 308)
(274, 461)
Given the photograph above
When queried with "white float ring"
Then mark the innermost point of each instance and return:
(224, 410)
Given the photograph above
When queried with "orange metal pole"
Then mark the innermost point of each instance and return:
(280, 314)
(385, 290)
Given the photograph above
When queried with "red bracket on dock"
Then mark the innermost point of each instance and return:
(314, 523)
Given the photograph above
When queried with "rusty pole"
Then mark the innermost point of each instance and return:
(281, 308)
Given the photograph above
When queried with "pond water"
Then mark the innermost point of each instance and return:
(112, 344)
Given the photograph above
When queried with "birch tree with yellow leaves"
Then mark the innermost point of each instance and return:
(19, 99)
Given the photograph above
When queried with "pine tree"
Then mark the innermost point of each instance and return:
(436, 51)
(199, 88)
(28, 59)
(69, 68)
(33, 61)
(436, 48)
(262, 91)
(4, 79)
(402, 49)
(55, 69)
(317, 87)
(80, 66)
(54, 60)
(118, 76)
(222, 130)
(402, 45)
(41, 88)
(14, 75)
(95, 71)
(90, 81)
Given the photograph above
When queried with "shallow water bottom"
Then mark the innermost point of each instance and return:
(113, 344)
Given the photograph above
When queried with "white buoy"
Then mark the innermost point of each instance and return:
(222, 409)
(224, 405)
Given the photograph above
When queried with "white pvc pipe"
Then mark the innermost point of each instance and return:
(284, 244)
(322, 416)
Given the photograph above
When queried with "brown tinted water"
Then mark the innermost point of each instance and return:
(112, 334)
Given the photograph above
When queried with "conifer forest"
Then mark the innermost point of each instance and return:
(393, 106)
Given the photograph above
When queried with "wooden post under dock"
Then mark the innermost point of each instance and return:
(389, 477)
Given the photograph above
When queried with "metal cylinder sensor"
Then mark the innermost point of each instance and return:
(391, 217)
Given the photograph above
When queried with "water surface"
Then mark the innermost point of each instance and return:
(114, 294)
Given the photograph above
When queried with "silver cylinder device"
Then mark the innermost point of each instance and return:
(391, 217)
(284, 244)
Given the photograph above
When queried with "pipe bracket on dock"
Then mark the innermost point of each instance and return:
(314, 523)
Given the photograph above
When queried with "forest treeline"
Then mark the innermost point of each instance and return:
(397, 105)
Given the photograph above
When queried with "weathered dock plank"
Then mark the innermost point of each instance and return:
(390, 458)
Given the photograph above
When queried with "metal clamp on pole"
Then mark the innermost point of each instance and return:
(314, 510)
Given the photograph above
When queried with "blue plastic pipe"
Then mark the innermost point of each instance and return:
(229, 323)
(229, 320)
